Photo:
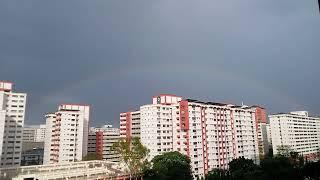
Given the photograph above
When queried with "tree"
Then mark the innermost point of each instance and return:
(133, 154)
(242, 168)
(270, 153)
(318, 154)
(279, 168)
(90, 157)
(284, 150)
(296, 160)
(171, 166)
(218, 174)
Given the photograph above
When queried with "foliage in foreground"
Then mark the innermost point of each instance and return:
(287, 165)
(170, 166)
(90, 157)
(133, 154)
(277, 168)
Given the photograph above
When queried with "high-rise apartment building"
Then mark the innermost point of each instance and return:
(101, 140)
(261, 126)
(12, 115)
(40, 133)
(50, 129)
(297, 130)
(34, 133)
(28, 134)
(130, 124)
(156, 120)
(211, 134)
(66, 138)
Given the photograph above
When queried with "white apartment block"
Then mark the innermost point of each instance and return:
(67, 134)
(34, 133)
(156, 120)
(101, 140)
(28, 134)
(130, 124)
(50, 124)
(12, 115)
(156, 128)
(211, 134)
(297, 130)
(40, 133)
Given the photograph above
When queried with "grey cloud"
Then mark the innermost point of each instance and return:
(115, 54)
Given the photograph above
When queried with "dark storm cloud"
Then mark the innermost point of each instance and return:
(116, 54)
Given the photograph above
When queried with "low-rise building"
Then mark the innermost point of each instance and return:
(73, 170)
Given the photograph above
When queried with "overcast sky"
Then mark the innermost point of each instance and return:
(116, 54)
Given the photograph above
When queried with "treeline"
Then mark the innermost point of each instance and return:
(174, 165)
(286, 165)
(271, 168)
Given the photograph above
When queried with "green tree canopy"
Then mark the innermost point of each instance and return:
(242, 168)
(171, 166)
(274, 168)
(311, 170)
(279, 168)
(90, 157)
(133, 154)
(284, 150)
(218, 174)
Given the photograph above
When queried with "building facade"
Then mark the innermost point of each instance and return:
(66, 138)
(12, 115)
(73, 170)
(211, 134)
(50, 125)
(28, 134)
(261, 126)
(40, 133)
(297, 130)
(269, 135)
(101, 140)
(157, 124)
(32, 157)
(34, 133)
(130, 124)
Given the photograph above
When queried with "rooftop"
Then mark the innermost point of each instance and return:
(84, 169)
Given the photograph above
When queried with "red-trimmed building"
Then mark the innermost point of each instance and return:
(100, 141)
(211, 134)
(66, 138)
(262, 132)
(130, 124)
